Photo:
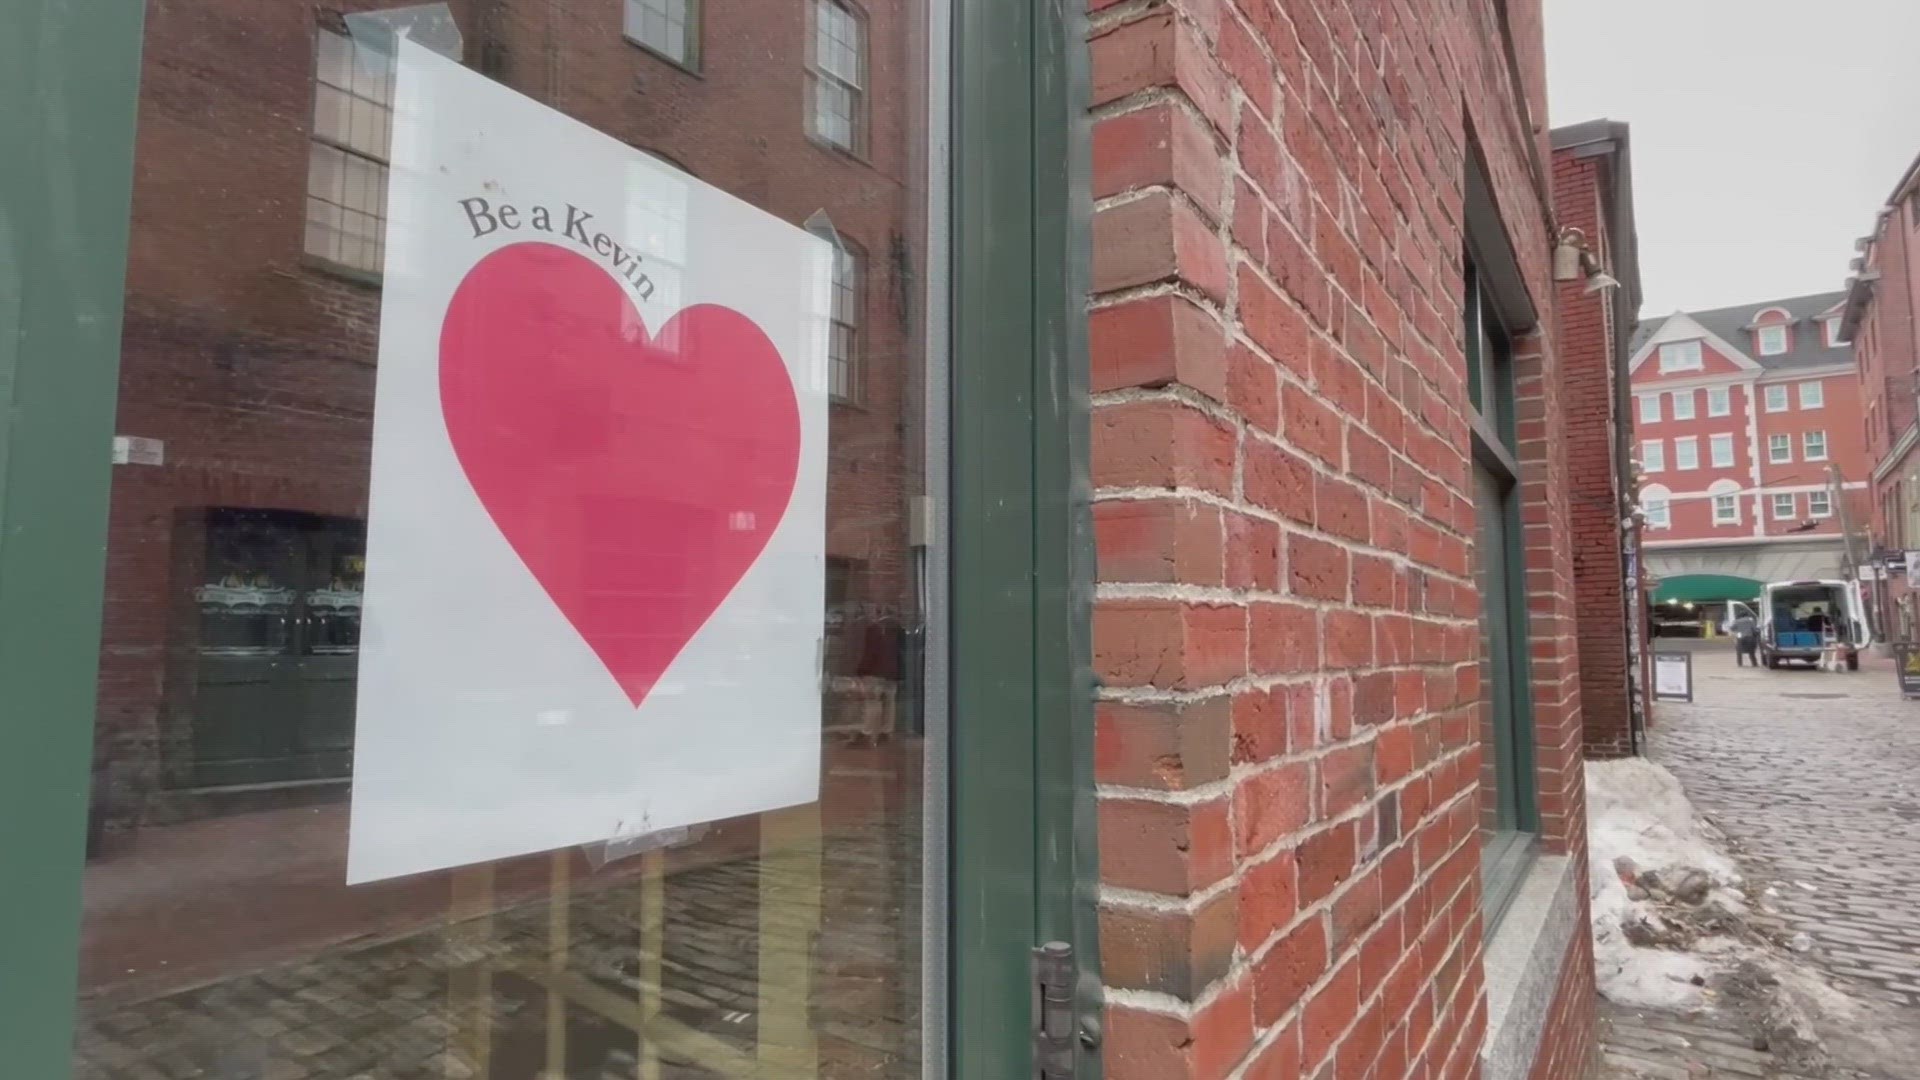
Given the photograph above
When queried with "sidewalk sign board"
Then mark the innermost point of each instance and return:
(1906, 667)
(1673, 676)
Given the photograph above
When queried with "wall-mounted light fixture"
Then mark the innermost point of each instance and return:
(1573, 259)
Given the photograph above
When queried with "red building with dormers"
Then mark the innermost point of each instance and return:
(1747, 421)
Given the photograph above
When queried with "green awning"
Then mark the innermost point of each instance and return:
(1701, 588)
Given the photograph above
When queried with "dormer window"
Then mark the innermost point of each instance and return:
(1832, 331)
(1680, 356)
(1772, 332)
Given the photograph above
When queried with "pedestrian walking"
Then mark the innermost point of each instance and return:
(1746, 640)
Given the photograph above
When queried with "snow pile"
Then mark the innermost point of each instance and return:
(1642, 829)
(1673, 930)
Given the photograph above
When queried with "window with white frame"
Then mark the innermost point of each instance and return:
(1819, 504)
(1813, 394)
(843, 335)
(1686, 453)
(1777, 398)
(347, 161)
(1658, 514)
(1683, 404)
(1833, 333)
(1813, 446)
(1649, 408)
(1653, 456)
(1721, 448)
(1773, 340)
(668, 27)
(1680, 356)
(1726, 509)
(1779, 449)
(1719, 401)
(837, 75)
(1783, 506)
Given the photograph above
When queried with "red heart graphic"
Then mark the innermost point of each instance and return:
(638, 477)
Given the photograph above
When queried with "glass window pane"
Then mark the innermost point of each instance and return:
(333, 63)
(1498, 808)
(779, 925)
(838, 42)
(368, 126)
(833, 112)
(322, 228)
(323, 171)
(330, 114)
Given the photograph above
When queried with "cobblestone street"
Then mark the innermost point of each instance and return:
(1815, 777)
(1811, 779)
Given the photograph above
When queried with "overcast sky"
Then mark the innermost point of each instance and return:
(1765, 133)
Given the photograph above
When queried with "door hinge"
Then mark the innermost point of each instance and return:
(1054, 1036)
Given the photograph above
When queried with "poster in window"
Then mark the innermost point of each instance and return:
(595, 553)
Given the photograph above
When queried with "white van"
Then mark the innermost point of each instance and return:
(1795, 616)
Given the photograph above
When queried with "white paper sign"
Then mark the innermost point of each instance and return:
(595, 553)
(1673, 676)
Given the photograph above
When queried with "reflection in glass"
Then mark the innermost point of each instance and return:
(668, 27)
(218, 938)
(347, 177)
(837, 75)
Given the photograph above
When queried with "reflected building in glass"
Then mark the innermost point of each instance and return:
(217, 922)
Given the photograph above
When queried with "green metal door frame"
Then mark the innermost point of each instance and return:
(1022, 778)
(69, 78)
(1021, 826)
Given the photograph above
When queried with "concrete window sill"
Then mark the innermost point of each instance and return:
(1523, 961)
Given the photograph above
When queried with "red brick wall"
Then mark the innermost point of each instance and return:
(1690, 511)
(1586, 342)
(1286, 617)
(1886, 346)
(1840, 417)
(1886, 343)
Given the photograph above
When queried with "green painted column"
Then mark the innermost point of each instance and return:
(69, 80)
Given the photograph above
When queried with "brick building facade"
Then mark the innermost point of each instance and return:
(1593, 192)
(1322, 239)
(1882, 298)
(1748, 422)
